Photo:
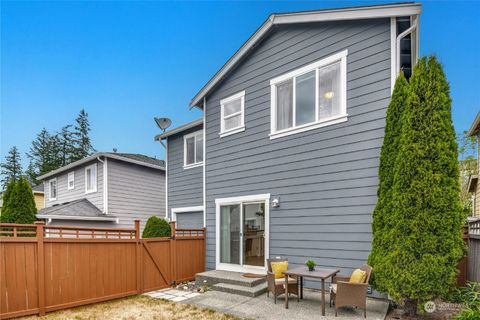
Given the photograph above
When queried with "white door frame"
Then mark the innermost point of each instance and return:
(174, 211)
(241, 200)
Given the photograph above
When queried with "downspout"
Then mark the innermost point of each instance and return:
(105, 184)
(166, 175)
(204, 161)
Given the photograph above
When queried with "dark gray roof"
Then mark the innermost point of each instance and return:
(77, 209)
(38, 188)
(140, 157)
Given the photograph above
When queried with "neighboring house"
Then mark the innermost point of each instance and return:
(184, 172)
(105, 190)
(293, 124)
(39, 196)
(473, 183)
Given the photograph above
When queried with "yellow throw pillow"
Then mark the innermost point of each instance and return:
(278, 268)
(358, 276)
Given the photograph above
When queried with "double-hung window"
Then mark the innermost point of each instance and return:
(91, 178)
(52, 189)
(193, 149)
(310, 97)
(71, 180)
(232, 115)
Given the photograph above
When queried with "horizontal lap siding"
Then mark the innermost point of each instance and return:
(135, 192)
(326, 178)
(185, 186)
(78, 192)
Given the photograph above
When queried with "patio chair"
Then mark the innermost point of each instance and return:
(344, 293)
(277, 286)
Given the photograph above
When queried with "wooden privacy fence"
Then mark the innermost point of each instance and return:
(47, 268)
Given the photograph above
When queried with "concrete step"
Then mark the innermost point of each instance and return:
(241, 290)
(226, 277)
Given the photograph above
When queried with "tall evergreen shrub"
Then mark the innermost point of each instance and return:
(382, 214)
(19, 205)
(426, 213)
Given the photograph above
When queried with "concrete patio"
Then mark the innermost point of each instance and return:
(262, 307)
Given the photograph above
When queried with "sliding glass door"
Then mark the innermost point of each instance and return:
(242, 234)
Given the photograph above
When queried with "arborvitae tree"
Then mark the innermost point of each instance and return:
(66, 146)
(156, 227)
(12, 167)
(6, 216)
(20, 205)
(382, 214)
(427, 214)
(83, 145)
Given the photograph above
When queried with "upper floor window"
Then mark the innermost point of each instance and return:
(52, 189)
(232, 115)
(91, 178)
(193, 149)
(71, 180)
(310, 97)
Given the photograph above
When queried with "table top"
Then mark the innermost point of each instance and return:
(317, 273)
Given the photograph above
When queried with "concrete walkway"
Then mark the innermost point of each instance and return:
(262, 307)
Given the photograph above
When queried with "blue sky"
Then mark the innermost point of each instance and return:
(126, 62)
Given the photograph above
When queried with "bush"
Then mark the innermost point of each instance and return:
(156, 228)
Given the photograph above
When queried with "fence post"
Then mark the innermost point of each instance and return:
(138, 256)
(173, 255)
(41, 267)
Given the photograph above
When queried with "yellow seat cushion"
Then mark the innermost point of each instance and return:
(358, 276)
(282, 280)
(278, 268)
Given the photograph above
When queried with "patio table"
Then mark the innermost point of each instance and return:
(301, 272)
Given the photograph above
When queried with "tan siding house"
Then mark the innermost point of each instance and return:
(473, 184)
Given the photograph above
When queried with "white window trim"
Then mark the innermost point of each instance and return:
(96, 178)
(72, 176)
(50, 189)
(183, 210)
(342, 117)
(241, 127)
(194, 164)
(240, 200)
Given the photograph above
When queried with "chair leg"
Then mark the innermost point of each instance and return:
(274, 298)
(268, 293)
(365, 313)
(335, 311)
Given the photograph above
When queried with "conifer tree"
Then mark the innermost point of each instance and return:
(44, 152)
(20, 203)
(12, 167)
(66, 147)
(427, 215)
(83, 145)
(382, 214)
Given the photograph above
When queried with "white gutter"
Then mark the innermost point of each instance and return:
(204, 161)
(61, 217)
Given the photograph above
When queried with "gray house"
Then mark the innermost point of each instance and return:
(105, 190)
(292, 129)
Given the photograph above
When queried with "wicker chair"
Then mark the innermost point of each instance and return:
(276, 286)
(344, 293)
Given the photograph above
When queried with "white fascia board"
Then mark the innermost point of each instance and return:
(179, 129)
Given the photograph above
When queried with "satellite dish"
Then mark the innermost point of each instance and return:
(163, 123)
